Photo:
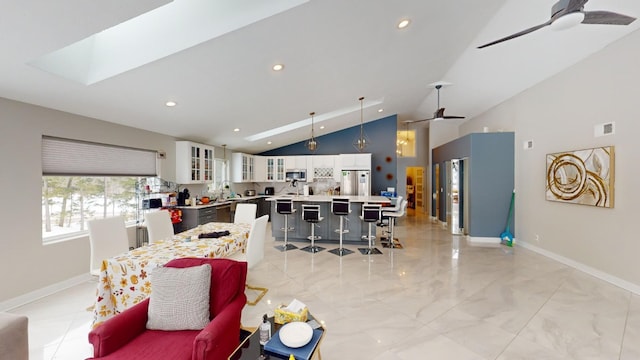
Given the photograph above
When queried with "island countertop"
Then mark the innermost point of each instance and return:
(328, 198)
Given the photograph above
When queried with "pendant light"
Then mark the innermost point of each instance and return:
(362, 141)
(312, 144)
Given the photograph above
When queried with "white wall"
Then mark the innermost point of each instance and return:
(26, 265)
(559, 114)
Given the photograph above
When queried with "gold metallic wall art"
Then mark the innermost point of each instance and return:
(583, 177)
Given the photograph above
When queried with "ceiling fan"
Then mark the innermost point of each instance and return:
(439, 114)
(566, 13)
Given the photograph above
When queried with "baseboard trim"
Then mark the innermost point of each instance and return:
(624, 284)
(45, 291)
(483, 240)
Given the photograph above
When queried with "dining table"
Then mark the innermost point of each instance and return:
(124, 279)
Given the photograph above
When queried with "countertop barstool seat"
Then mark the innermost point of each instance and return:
(285, 207)
(311, 214)
(342, 208)
(370, 214)
(384, 220)
(393, 215)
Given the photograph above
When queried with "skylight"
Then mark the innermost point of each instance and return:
(156, 34)
(307, 122)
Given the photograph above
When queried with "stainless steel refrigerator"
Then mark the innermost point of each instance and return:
(355, 182)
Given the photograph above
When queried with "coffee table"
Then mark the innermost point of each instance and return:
(250, 348)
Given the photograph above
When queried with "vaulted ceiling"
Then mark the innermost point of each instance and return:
(215, 58)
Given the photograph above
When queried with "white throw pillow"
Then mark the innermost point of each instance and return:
(179, 298)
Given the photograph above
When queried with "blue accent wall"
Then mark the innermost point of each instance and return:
(491, 178)
(382, 136)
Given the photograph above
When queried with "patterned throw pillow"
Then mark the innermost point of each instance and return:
(179, 298)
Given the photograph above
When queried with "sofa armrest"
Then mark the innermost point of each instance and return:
(119, 330)
(222, 335)
(14, 336)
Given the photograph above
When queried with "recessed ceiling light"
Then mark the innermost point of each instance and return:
(278, 67)
(236, 129)
(268, 142)
(403, 23)
(171, 103)
(380, 110)
(321, 127)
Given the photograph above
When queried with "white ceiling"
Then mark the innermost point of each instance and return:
(334, 51)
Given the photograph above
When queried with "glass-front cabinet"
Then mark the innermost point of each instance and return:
(275, 169)
(194, 163)
(243, 167)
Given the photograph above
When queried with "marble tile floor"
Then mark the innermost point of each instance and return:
(438, 298)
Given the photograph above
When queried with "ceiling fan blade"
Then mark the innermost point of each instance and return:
(575, 5)
(415, 121)
(606, 18)
(518, 34)
(452, 117)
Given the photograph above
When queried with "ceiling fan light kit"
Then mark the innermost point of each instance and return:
(568, 13)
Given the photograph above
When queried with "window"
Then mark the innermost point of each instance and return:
(406, 143)
(83, 181)
(68, 202)
(220, 174)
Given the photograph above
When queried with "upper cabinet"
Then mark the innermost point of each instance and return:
(243, 167)
(275, 169)
(355, 162)
(259, 169)
(321, 167)
(298, 162)
(194, 163)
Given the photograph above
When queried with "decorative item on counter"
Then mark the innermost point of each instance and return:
(265, 330)
(295, 311)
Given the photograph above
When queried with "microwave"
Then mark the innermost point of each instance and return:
(295, 174)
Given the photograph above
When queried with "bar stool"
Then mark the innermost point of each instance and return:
(393, 215)
(370, 214)
(285, 207)
(311, 214)
(342, 208)
(384, 220)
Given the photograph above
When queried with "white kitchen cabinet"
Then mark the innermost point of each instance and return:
(275, 169)
(355, 161)
(194, 163)
(259, 168)
(242, 167)
(298, 162)
(321, 167)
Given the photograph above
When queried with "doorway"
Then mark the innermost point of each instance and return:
(415, 188)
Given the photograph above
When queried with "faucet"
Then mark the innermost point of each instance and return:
(294, 183)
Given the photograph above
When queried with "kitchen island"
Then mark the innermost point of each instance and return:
(326, 228)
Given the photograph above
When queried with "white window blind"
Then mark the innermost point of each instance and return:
(74, 157)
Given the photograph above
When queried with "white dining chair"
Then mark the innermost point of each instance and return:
(107, 237)
(254, 252)
(159, 226)
(245, 213)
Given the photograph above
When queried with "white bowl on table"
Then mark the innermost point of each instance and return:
(295, 334)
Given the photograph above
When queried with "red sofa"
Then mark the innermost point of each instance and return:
(125, 335)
